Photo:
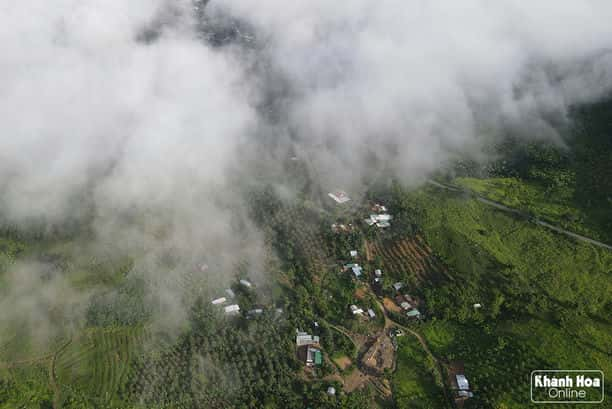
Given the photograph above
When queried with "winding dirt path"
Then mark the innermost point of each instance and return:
(438, 365)
(53, 378)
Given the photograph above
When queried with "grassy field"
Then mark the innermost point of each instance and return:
(554, 205)
(414, 383)
(26, 386)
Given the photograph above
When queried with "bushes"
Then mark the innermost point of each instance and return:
(533, 285)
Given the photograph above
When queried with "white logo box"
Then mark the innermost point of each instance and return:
(576, 371)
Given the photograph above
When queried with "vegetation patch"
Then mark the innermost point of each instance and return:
(414, 382)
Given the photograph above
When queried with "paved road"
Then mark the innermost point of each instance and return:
(528, 216)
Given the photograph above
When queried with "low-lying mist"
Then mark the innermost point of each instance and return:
(146, 121)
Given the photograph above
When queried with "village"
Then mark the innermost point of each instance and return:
(386, 309)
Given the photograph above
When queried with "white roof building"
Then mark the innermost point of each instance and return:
(398, 286)
(357, 270)
(218, 301)
(356, 310)
(371, 313)
(331, 391)
(465, 394)
(339, 196)
(377, 272)
(353, 253)
(405, 305)
(381, 220)
(232, 309)
(246, 283)
(302, 338)
(370, 221)
(462, 382)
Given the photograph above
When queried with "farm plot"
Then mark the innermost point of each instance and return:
(307, 238)
(98, 362)
(410, 257)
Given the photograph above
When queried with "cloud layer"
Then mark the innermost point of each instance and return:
(123, 112)
(426, 77)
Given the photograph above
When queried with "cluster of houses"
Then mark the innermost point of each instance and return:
(355, 268)
(407, 302)
(357, 272)
(234, 309)
(308, 349)
(380, 217)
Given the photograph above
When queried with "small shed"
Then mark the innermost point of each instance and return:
(356, 310)
(232, 309)
(462, 382)
(339, 196)
(218, 301)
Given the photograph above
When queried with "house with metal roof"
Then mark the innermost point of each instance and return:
(462, 382)
(303, 338)
(232, 309)
(314, 356)
(339, 196)
(414, 313)
(356, 310)
(218, 301)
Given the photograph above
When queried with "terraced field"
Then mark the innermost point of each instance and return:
(412, 257)
(99, 361)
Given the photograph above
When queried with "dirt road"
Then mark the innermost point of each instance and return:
(439, 368)
(527, 216)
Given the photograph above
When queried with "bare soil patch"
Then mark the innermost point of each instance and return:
(343, 362)
(379, 356)
(390, 305)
